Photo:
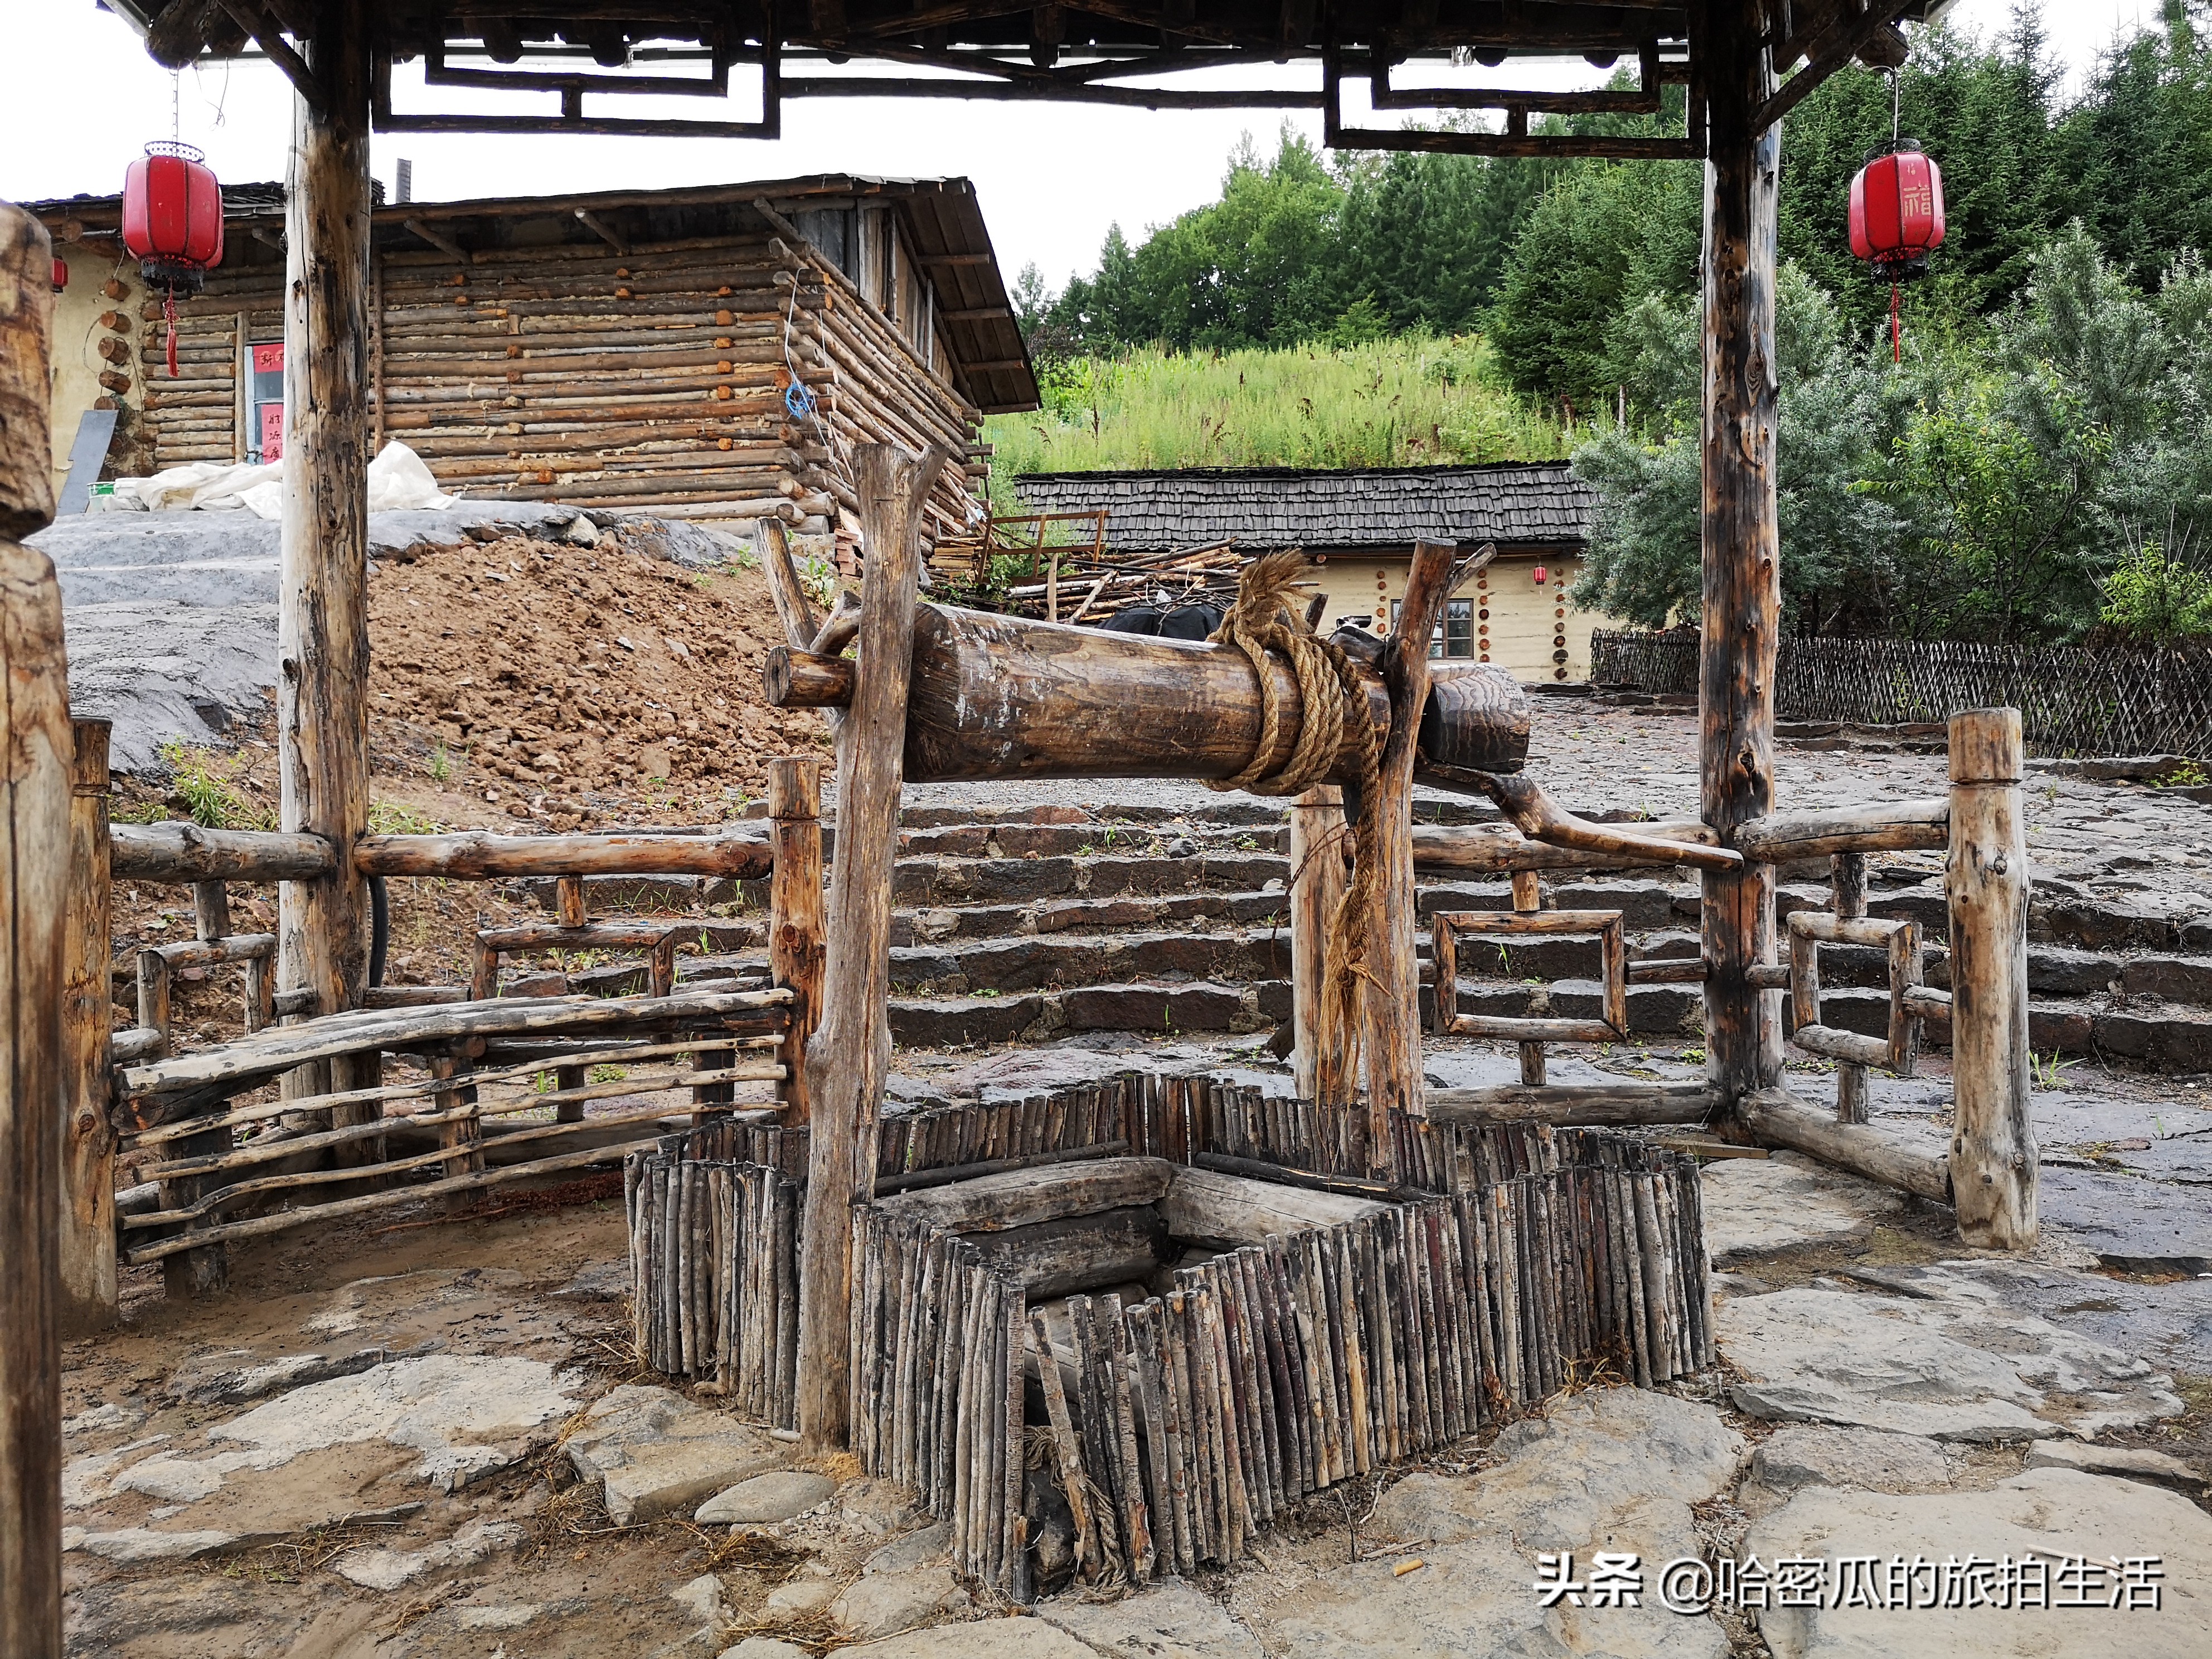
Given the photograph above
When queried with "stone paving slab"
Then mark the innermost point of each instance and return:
(2048, 1513)
(1757, 1205)
(2168, 1323)
(2129, 1223)
(1613, 1469)
(1958, 1365)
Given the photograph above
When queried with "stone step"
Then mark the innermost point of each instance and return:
(1018, 841)
(1139, 1008)
(948, 881)
(936, 925)
(2168, 1038)
(1049, 961)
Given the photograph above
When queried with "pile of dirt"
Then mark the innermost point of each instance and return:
(586, 677)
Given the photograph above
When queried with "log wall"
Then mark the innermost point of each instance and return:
(574, 373)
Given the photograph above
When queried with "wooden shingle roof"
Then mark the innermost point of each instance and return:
(1513, 503)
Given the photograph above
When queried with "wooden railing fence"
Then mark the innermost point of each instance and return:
(2073, 700)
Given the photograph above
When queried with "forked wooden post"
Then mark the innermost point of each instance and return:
(1318, 835)
(1993, 1150)
(322, 627)
(1741, 624)
(35, 753)
(796, 948)
(88, 1287)
(851, 1054)
(1390, 1019)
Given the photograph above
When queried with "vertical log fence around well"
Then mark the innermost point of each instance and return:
(2073, 700)
(1512, 1259)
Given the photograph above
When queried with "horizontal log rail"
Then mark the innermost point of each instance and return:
(422, 1089)
(1500, 848)
(280, 1048)
(1903, 826)
(1576, 1103)
(1776, 1118)
(257, 1153)
(182, 854)
(478, 855)
(261, 1226)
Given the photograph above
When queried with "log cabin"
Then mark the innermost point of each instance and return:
(1360, 524)
(627, 349)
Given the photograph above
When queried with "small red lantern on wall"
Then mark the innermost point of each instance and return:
(1540, 575)
(1897, 217)
(172, 223)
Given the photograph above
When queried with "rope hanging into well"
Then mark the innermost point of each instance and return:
(1334, 725)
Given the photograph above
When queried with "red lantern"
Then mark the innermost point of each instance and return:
(172, 223)
(1897, 217)
(61, 273)
(1897, 213)
(1542, 575)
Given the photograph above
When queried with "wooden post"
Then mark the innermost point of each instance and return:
(35, 754)
(1390, 1024)
(322, 688)
(795, 945)
(1741, 617)
(88, 1288)
(851, 1053)
(1848, 884)
(1318, 838)
(1527, 899)
(1993, 1150)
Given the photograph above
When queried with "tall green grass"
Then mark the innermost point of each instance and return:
(1412, 401)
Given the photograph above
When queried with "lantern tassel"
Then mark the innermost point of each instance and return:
(1896, 329)
(169, 310)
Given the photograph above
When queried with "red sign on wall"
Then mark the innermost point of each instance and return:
(269, 359)
(272, 433)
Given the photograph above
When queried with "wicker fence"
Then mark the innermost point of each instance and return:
(2073, 700)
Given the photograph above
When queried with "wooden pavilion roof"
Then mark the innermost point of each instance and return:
(1053, 53)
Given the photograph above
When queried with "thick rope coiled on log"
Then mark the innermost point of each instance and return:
(1334, 726)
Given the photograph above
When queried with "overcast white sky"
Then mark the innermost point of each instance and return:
(79, 97)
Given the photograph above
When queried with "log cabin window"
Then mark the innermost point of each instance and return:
(265, 402)
(1455, 635)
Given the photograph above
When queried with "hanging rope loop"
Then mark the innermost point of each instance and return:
(1334, 728)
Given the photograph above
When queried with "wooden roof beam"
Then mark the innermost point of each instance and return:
(1857, 24)
(437, 238)
(599, 228)
(257, 23)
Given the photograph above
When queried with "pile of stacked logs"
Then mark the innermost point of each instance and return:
(1083, 584)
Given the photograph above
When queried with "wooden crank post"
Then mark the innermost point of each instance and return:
(88, 1286)
(1390, 995)
(1993, 1150)
(1318, 836)
(36, 751)
(1740, 623)
(795, 946)
(850, 1055)
(322, 689)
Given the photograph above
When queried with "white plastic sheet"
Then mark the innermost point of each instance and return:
(397, 480)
